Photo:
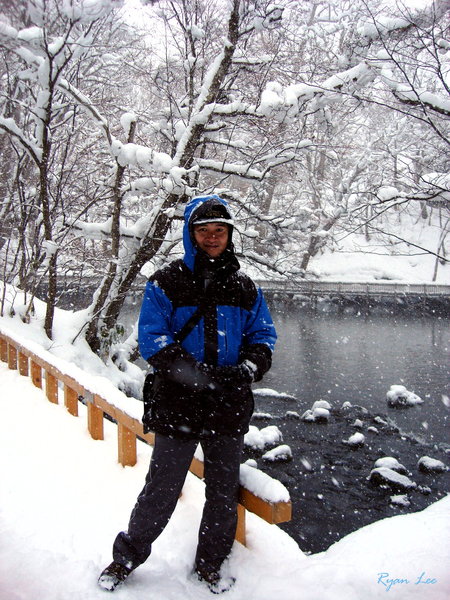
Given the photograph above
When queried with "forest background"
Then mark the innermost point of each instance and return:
(320, 121)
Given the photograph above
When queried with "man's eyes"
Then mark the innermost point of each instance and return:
(205, 230)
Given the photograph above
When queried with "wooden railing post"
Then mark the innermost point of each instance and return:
(36, 374)
(12, 357)
(3, 350)
(23, 364)
(240, 529)
(126, 446)
(71, 400)
(51, 387)
(95, 419)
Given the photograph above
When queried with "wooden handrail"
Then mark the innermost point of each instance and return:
(129, 429)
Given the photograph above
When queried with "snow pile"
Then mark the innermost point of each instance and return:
(260, 438)
(318, 413)
(391, 463)
(292, 414)
(388, 471)
(262, 485)
(282, 453)
(267, 392)
(400, 500)
(398, 396)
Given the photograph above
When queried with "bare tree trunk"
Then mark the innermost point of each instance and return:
(92, 333)
(44, 199)
(316, 241)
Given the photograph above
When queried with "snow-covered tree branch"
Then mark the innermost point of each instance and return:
(319, 121)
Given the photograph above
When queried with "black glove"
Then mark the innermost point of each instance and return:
(177, 365)
(236, 375)
(259, 356)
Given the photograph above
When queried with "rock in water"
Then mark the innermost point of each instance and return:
(396, 481)
(355, 440)
(281, 453)
(391, 463)
(431, 465)
(398, 396)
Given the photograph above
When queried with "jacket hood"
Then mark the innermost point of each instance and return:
(193, 211)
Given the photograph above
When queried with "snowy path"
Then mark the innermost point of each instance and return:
(63, 497)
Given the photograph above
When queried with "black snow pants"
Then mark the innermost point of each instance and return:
(170, 462)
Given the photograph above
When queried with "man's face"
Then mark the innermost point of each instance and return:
(212, 238)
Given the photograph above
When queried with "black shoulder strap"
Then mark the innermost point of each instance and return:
(194, 318)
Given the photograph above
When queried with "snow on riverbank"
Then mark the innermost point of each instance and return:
(356, 258)
(64, 497)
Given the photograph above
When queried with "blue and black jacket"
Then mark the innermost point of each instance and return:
(235, 325)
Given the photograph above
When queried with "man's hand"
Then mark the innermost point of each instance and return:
(236, 375)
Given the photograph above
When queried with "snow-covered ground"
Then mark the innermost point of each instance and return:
(357, 260)
(64, 497)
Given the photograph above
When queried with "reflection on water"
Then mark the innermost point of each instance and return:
(356, 358)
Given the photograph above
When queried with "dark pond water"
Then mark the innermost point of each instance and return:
(339, 357)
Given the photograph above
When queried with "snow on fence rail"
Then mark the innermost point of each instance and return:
(54, 372)
(356, 288)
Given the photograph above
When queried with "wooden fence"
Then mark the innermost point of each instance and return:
(129, 429)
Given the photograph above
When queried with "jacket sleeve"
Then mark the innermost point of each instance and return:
(154, 331)
(259, 337)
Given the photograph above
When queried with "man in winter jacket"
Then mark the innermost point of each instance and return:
(201, 391)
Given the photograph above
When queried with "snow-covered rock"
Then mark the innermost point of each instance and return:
(385, 476)
(399, 396)
(321, 404)
(292, 414)
(262, 415)
(267, 392)
(318, 413)
(355, 440)
(400, 500)
(431, 465)
(282, 453)
(261, 438)
(308, 416)
(358, 423)
(391, 463)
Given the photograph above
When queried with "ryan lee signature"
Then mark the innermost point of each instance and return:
(390, 582)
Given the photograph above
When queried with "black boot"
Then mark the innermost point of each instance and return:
(215, 582)
(112, 576)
